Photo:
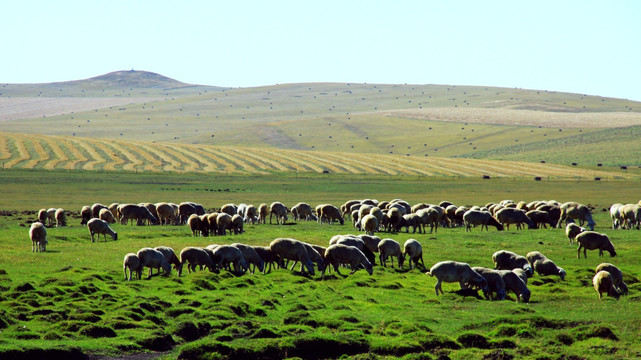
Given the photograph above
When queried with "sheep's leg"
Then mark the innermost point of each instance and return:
(438, 286)
(294, 264)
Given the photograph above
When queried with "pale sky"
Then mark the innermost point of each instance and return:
(587, 47)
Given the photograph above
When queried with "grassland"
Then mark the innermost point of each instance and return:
(77, 302)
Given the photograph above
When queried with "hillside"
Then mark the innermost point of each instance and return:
(408, 120)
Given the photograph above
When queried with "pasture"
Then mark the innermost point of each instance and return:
(72, 299)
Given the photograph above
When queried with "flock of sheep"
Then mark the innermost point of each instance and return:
(357, 251)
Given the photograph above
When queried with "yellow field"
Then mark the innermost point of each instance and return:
(51, 152)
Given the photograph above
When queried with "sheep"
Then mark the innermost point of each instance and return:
(38, 236)
(371, 242)
(315, 256)
(343, 254)
(196, 256)
(603, 283)
(223, 223)
(369, 224)
(185, 210)
(302, 211)
(389, 247)
(153, 259)
(331, 213)
(513, 282)
(411, 220)
(495, 284)
(544, 266)
(43, 216)
(114, 210)
(346, 207)
(292, 249)
(132, 263)
(616, 216)
(572, 230)
(95, 209)
(97, 226)
(414, 250)
(237, 223)
(224, 255)
(198, 226)
(483, 218)
(61, 218)
(507, 216)
(591, 240)
(394, 215)
(251, 215)
(251, 256)
(507, 260)
(280, 211)
(521, 274)
(51, 216)
(241, 209)
(617, 277)
(357, 242)
(85, 215)
(230, 209)
(135, 212)
(630, 215)
(106, 215)
(268, 257)
(429, 216)
(574, 210)
(171, 257)
(263, 211)
(540, 217)
(166, 213)
(454, 271)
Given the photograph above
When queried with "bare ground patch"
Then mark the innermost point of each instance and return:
(522, 117)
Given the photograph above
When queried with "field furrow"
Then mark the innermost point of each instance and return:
(168, 161)
(129, 153)
(5, 152)
(330, 164)
(77, 156)
(249, 156)
(150, 162)
(296, 162)
(95, 159)
(206, 161)
(275, 163)
(114, 161)
(220, 161)
(356, 162)
(38, 156)
(372, 164)
(21, 154)
(59, 154)
(184, 155)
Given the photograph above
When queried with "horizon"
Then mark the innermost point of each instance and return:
(576, 47)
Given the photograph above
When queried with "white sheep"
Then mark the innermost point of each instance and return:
(196, 256)
(85, 214)
(197, 226)
(224, 223)
(413, 249)
(630, 215)
(371, 242)
(617, 277)
(483, 218)
(369, 224)
(171, 257)
(429, 217)
(97, 226)
(38, 236)
(574, 210)
(603, 283)
(540, 217)
(263, 211)
(292, 249)
(95, 209)
(616, 216)
(507, 260)
(316, 255)
(135, 212)
(166, 213)
(131, 262)
(61, 218)
(521, 274)
(356, 241)
(544, 266)
(280, 210)
(454, 271)
(237, 224)
(513, 282)
(226, 255)
(153, 259)
(592, 240)
(343, 254)
(390, 247)
(230, 209)
(330, 214)
(106, 215)
(251, 215)
(268, 256)
(251, 256)
(572, 230)
(302, 211)
(495, 284)
(507, 216)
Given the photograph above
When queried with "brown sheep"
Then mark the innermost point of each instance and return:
(591, 240)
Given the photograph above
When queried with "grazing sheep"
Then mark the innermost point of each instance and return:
(495, 284)
(196, 256)
(43, 216)
(114, 210)
(346, 207)
(153, 259)
(603, 283)
(292, 249)
(513, 282)
(268, 257)
(223, 222)
(85, 214)
(97, 226)
(371, 242)
(617, 277)
(237, 223)
(454, 271)
(389, 247)
(429, 216)
(592, 240)
(330, 214)
(540, 218)
(521, 274)
(574, 210)
(617, 222)
(166, 213)
(95, 210)
(395, 214)
(131, 262)
(241, 209)
(572, 230)
(171, 257)
(544, 266)
(185, 210)
(413, 221)
(51, 216)
(251, 215)
(343, 254)
(212, 221)
(227, 255)
(507, 260)
(413, 249)
(263, 211)
(369, 224)
(251, 256)
(280, 211)
(61, 218)
(135, 212)
(483, 218)
(302, 211)
(357, 242)
(106, 215)
(197, 226)
(230, 209)
(38, 236)
(630, 215)
(507, 216)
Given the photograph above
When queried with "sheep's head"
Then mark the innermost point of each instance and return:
(525, 296)
(501, 294)
(562, 273)
(591, 225)
(528, 271)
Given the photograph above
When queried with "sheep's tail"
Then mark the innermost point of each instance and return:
(429, 273)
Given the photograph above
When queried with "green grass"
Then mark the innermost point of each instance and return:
(74, 296)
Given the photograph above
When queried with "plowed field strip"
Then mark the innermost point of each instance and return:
(60, 156)
(129, 154)
(168, 160)
(257, 163)
(114, 161)
(188, 161)
(364, 162)
(230, 164)
(323, 162)
(151, 162)
(5, 152)
(76, 154)
(21, 153)
(92, 154)
(288, 162)
(217, 162)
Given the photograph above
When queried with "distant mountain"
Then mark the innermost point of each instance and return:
(132, 78)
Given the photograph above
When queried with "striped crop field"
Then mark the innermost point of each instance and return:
(51, 152)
